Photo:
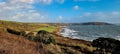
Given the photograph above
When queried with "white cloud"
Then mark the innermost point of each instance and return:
(61, 1)
(31, 1)
(76, 7)
(87, 14)
(23, 10)
(60, 17)
(86, 0)
(20, 11)
(24, 1)
(115, 13)
(113, 17)
(45, 1)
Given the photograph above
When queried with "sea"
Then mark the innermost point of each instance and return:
(91, 32)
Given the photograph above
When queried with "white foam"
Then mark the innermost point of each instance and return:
(86, 34)
(68, 32)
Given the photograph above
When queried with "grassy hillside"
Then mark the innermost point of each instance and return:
(49, 28)
(25, 26)
(17, 44)
(12, 44)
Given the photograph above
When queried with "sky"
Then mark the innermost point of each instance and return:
(63, 11)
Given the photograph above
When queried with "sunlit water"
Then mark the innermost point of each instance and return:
(90, 32)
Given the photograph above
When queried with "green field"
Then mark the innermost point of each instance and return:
(49, 29)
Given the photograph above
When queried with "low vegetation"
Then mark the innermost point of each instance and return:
(47, 28)
(33, 38)
(106, 45)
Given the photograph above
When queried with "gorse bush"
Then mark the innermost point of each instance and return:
(30, 36)
(13, 31)
(40, 36)
(45, 37)
(52, 40)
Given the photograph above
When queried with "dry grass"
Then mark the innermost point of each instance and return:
(74, 43)
(12, 44)
(21, 26)
(15, 44)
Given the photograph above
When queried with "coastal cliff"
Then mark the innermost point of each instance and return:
(23, 38)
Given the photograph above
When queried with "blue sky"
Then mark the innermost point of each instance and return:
(68, 11)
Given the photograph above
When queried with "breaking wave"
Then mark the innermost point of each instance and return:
(91, 32)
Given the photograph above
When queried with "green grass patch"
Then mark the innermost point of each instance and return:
(49, 29)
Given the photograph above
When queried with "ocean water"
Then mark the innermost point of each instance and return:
(91, 32)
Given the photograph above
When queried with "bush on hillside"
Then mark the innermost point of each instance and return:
(30, 36)
(13, 31)
(45, 37)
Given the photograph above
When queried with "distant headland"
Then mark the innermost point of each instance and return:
(92, 23)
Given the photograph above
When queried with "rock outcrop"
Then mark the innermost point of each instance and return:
(107, 45)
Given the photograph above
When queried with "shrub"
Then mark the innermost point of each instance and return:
(23, 33)
(13, 31)
(45, 37)
(30, 36)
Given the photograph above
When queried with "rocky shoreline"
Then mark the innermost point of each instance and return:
(72, 46)
(102, 45)
(19, 38)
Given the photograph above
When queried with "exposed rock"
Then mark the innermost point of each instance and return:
(109, 44)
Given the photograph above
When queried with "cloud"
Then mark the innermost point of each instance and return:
(32, 1)
(61, 1)
(86, 0)
(19, 11)
(45, 1)
(113, 17)
(60, 17)
(23, 10)
(24, 1)
(76, 7)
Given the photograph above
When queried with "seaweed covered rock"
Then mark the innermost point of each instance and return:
(45, 37)
(109, 44)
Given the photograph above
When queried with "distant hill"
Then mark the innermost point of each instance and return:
(92, 23)
(96, 23)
